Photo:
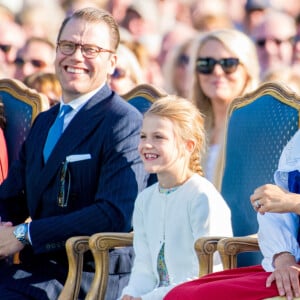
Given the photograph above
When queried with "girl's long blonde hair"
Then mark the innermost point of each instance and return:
(188, 125)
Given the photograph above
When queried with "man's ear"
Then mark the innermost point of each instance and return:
(113, 63)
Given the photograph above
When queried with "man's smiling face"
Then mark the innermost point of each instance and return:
(77, 74)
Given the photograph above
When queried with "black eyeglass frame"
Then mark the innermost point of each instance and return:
(83, 48)
(206, 65)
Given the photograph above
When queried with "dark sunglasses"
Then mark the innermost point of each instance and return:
(34, 62)
(118, 73)
(206, 65)
(183, 60)
(262, 42)
(5, 48)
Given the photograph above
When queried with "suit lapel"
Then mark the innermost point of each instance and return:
(79, 128)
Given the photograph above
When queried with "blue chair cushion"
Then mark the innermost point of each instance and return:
(18, 117)
(256, 135)
(142, 104)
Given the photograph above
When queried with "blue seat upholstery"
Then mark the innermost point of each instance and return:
(143, 95)
(21, 106)
(259, 126)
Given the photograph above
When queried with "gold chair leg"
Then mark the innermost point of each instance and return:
(100, 244)
(75, 247)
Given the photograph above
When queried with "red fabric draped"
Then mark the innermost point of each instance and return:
(247, 283)
(3, 157)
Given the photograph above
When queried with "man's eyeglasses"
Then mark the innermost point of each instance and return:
(206, 65)
(262, 42)
(87, 50)
(5, 48)
(37, 63)
(118, 73)
(64, 187)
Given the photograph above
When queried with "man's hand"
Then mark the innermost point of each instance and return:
(9, 245)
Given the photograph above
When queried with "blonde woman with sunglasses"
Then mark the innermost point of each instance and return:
(128, 72)
(225, 67)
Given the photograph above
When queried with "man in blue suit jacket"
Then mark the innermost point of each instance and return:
(88, 182)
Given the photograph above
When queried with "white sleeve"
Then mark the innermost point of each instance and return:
(277, 233)
(142, 278)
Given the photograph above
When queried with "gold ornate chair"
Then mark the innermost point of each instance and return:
(21, 106)
(205, 248)
(258, 127)
(230, 248)
(102, 244)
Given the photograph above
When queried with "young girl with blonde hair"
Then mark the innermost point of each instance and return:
(182, 206)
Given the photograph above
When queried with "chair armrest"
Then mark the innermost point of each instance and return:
(100, 244)
(205, 248)
(229, 248)
(75, 247)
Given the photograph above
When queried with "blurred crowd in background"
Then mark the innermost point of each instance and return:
(176, 45)
(151, 32)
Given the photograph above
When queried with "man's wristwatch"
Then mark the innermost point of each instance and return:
(21, 233)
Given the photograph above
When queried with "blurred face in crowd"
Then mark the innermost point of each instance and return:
(120, 80)
(182, 78)
(77, 73)
(296, 47)
(273, 43)
(12, 38)
(183, 71)
(220, 83)
(34, 57)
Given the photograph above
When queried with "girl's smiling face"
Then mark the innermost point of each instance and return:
(158, 145)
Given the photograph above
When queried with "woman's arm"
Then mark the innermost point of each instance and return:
(277, 238)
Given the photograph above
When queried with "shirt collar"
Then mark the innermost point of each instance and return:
(77, 103)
